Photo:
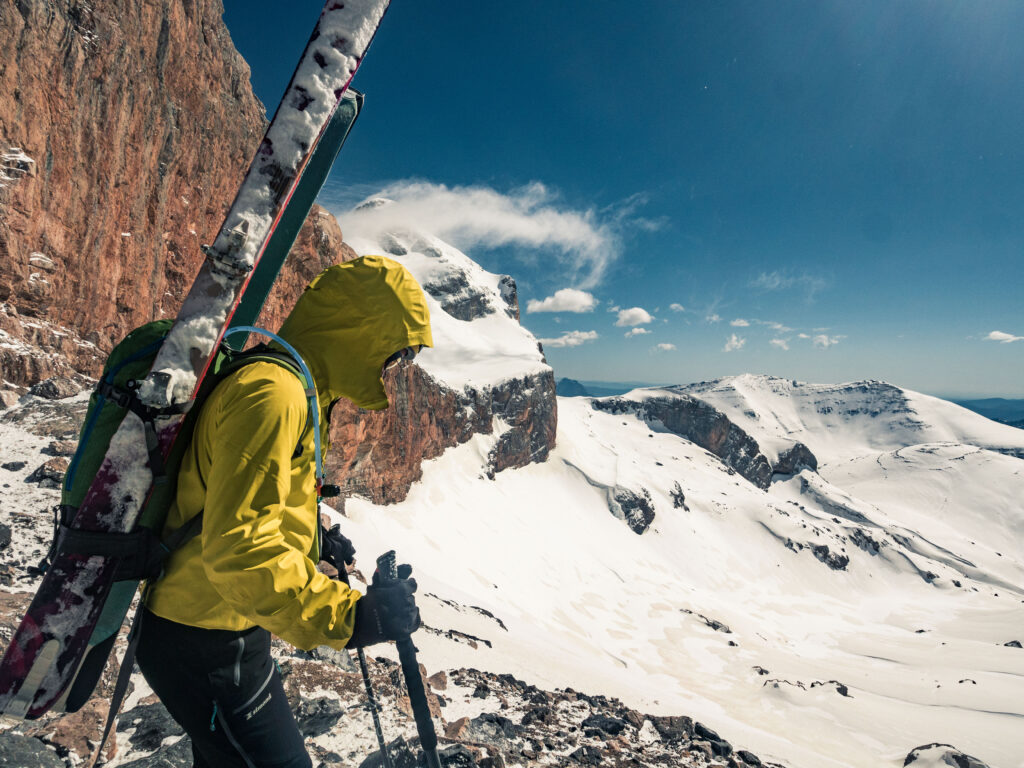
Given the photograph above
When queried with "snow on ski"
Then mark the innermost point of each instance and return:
(51, 643)
(295, 214)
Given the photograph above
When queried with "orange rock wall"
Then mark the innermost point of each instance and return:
(140, 120)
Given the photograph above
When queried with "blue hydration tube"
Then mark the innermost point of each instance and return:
(310, 391)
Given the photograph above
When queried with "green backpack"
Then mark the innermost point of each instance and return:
(142, 552)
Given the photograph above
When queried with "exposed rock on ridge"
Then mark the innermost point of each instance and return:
(378, 454)
(702, 424)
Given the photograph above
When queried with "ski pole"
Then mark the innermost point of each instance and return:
(370, 698)
(373, 709)
(387, 566)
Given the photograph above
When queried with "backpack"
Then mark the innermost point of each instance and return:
(142, 552)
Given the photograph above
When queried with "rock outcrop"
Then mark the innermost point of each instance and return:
(941, 754)
(377, 454)
(792, 460)
(702, 424)
(635, 509)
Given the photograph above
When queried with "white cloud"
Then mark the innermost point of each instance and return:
(633, 316)
(676, 307)
(780, 343)
(564, 300)
(802, 336)
(636, 332)
(1003, 337)
(570, 339)
(739, 322)
(713, 318)
(824, 342)
(777, 327)
(586, 241)
(776, 281)
(665, 347)
(735, 342)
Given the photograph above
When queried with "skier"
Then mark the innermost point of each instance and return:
(205, 636)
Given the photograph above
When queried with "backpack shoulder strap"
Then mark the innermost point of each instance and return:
(233, 362)
(262, 353)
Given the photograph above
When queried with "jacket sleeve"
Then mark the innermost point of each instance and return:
(260, 521)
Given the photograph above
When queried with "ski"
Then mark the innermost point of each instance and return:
(294, 216)
(53, 641)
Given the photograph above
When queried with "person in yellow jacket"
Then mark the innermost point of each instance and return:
(205, 638)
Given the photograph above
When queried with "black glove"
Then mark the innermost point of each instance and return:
(387, 611)
(335, 548)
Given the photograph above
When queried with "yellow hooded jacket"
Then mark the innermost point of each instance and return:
(255, 561)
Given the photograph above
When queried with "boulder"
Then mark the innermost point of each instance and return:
(49, 474)
(793, 459)
(56, 388)
(318, 716)
(612, 726)
(24, 751)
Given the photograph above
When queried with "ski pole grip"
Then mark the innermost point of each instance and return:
(387, 566)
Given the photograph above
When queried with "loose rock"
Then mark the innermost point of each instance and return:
(56, 388)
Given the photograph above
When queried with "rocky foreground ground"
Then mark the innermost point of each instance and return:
(484, 719)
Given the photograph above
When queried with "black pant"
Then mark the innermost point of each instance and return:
(225, 691)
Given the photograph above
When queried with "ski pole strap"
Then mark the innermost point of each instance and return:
(124, 677)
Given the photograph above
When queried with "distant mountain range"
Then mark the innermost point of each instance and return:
(1003, 410)
(572, 388)
(996, 408)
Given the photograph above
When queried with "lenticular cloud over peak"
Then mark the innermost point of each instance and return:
(482, 217)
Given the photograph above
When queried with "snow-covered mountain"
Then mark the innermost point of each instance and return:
(828, 576)
(485, 373)
(837, 618)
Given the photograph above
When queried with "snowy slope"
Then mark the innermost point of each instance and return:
(842, 421)
(847, 656)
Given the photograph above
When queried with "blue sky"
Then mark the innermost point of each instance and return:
(826, 191)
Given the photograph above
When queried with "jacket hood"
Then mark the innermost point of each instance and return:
(350, 319)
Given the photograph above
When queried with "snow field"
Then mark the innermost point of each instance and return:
(591, 605)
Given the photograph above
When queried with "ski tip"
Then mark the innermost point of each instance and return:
(18, 707)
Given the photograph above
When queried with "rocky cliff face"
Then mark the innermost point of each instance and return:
(378, 454)
(702, 424)
(125, 129)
